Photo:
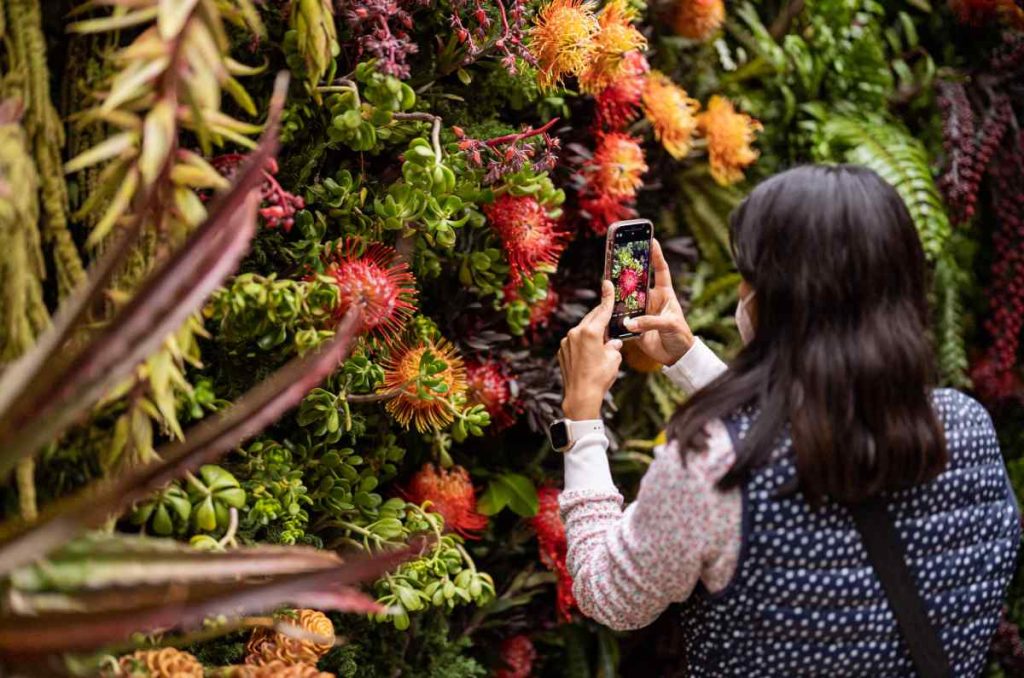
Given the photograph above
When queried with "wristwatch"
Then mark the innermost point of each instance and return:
(563, 433)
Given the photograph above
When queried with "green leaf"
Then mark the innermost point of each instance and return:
(494, 498)
(513, 490)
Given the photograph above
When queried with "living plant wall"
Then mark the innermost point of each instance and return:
(430, 225)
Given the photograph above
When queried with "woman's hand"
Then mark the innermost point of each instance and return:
(666, 335)
(589, 364)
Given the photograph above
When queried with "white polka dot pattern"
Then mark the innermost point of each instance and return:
(804, 601)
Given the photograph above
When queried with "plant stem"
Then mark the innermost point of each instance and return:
(435, 129)
(519, 136)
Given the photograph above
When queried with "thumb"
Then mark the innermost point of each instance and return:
(604, 310)
(645, 323)
(602, 313)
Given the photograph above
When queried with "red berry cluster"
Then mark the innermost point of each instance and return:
(969, 152)
(382, 30)
(517, 657)
(995, 375)
(509, 41)
(278, 206)
(1007, 648)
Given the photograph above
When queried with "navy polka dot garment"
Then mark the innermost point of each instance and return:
(804, 600)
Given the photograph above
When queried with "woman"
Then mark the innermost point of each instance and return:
(748, 512)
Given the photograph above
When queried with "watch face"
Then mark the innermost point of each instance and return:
(558, 432)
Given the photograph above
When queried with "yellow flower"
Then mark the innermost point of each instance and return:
(266, 645)
(698, 19)
(616, 37)
(428, 411)
(562, 40)
(729, 136)
(671, 112)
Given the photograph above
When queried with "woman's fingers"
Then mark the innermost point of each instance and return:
(599, 316)
(661, 323)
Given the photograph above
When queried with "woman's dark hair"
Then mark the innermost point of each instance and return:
(841, 353)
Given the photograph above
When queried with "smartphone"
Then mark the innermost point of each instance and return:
(628, 265)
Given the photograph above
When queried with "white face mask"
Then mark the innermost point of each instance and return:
(743, 320)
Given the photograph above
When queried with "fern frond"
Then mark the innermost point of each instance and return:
(889, 149)
(950, 346)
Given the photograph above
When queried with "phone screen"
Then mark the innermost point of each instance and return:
(628, 268)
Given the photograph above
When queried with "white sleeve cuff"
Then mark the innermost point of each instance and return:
(696, 369)
(586, 463)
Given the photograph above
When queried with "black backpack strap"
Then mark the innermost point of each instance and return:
(888, 557)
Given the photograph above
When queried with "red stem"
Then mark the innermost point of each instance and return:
(519, 136)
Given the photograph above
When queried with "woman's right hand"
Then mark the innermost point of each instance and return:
(666, 334)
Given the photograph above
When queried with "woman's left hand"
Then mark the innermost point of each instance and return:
(589, 364)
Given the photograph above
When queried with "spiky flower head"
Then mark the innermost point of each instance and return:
(602, 210)
(616, 38)
(530, 237)
(729, 136)
(450, 493)
(553, 547)
(618, 165)
(167, 662)
(267, 645)
(619, 103)
(628, 281)
(517, 657)
(420, 390)
(274, 669)
(672, 113)
(383, 287)
(562, 40)
(698, 19)
(489, 384)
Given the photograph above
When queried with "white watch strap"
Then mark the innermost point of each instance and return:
(578, 429)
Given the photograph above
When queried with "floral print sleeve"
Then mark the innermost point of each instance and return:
(629, 565)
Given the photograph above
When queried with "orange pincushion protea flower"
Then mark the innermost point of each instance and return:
(562, 40)
(531, 239)
(274, 669)
(428, 412)
(373, 280)
(729, 136)
(615, 39)
(450, 493)
(267, 645)
(672, 113)
(698, 19)
(552, 545)
(167, 662)
(488, 384)
(618, 165)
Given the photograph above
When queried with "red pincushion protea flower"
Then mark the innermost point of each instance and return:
(530, 237)
(450, 493)
(488, 384)
(602, 210)
(619, 103)
(385, 290)
(977, 12)
(552, 546)
(517, 656)
(628, 281)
